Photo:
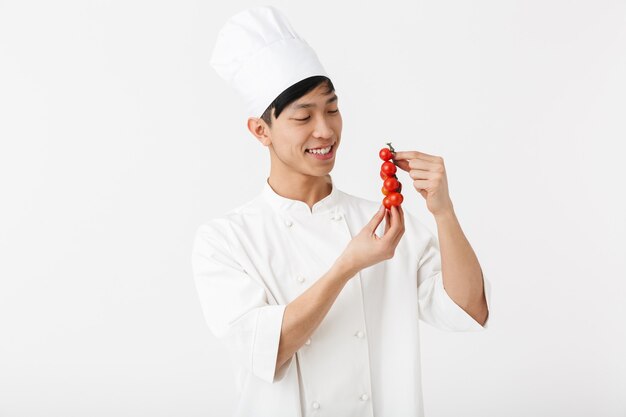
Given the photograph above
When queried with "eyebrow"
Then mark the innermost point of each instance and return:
(307, 105)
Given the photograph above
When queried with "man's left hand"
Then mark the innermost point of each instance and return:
(429, 178)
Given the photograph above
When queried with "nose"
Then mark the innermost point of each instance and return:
(322, 128)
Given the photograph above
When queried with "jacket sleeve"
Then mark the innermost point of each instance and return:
(435, 305)
(235, 306)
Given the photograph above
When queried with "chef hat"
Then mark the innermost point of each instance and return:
(260, 55)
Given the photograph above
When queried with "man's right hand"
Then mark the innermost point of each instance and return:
(367, 248)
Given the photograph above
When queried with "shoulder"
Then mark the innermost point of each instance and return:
(220, 228)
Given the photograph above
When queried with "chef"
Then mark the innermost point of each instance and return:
(317, 294)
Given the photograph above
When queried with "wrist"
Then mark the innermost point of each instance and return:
(345, 267)
(445, 215)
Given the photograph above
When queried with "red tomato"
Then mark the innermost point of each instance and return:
(395, 199)
(385, 154)
(388, 168)
(391, 184)
(387, 203)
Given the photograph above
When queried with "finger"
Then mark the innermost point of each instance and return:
(409, 165)
(425, 165)
(403, 165)
(394, 228)
(399, 155)
(387, 221)
(398, 230)
(376, 219)
(422, 184)
(420, 174)
(401, 220)
(400, 213)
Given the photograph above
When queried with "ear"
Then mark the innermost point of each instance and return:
(260, 130)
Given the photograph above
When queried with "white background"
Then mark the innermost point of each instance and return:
(118, 140)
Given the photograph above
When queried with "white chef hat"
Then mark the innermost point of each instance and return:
(260, 55)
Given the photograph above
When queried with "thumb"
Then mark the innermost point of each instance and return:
(375, 221)
(403, 164)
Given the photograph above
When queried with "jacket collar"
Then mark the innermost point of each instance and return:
(283, 204)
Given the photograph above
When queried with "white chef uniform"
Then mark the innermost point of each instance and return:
(364, 357)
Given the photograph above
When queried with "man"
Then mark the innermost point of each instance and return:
(316, 303)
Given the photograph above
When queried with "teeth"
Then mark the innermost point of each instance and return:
(322, 151)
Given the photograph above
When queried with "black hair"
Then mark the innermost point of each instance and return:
(295, 92)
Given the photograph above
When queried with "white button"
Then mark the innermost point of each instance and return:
(308, 342)
(316, 405)
(364, 397)
(301, 278)
(360, 334)
(288, 223)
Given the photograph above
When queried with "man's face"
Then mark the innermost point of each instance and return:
(311, 122)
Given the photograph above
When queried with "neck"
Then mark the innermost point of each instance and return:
(296, 186)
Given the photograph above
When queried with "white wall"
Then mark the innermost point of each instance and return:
(117, 140)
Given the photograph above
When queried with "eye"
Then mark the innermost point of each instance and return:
(303, 120)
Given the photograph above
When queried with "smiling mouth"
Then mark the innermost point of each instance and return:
(319, 152)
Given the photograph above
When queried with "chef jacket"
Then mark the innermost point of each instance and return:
(364, 357)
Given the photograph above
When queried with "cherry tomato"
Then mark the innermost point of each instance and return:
(385, 154)
(391, 184)
(395, 199)
(388, 168)
(387, 203)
